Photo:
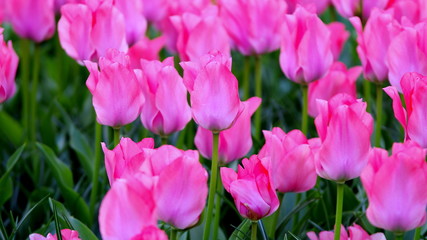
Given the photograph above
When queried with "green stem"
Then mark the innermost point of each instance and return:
(25, 73)
(217, 216)
(246, 85)
(258, 93)
(398, 236)
(96, 166)
(34, 88)
(174, 234)
(276, 216)
(379, 112)
(338, 216)
(417, 234)
(304, 117)
(164, 140)
(116, 136)
(212, 186)
(254, 230)
(367, 93)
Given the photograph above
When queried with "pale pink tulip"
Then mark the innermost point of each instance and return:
(290, 160)
(214, 93)
(339, 79)
(355, 232)
(252, 189)
(8, 65)
(147, 49)
(338, 38)
(116, 91)
(299, 60)
(320, 5)
(200, 34)
(254, 26)
(136, 24)
(235, 142)
(32, 19)
(396, 187)
(350, 8)
(165, 110)
(345, 129)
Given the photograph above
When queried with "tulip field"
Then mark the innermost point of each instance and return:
(213, 119)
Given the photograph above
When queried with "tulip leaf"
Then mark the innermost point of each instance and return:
(242, 231)
(11, 129)
(6, 183)
(79, 143)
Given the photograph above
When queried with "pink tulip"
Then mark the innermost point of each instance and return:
(373, 42)
(290, 160)
(154, 11)
(413, 10)
(253, 25)
(338, 38)
(345, 129)
(166, 109)
(339, 79)
(136, 24)
(414, 118)
(235, 142)
(252, 189)
(32, 19)
(355, 232)
(160, 158)
(200, 34)
(128, 211)
(320, 5)
(66, 234)
(117, 95)
(2, 11)
(8, 65)
(350, 8)
(299, 60)
(86, 32)
(396, 187)
(147, 49)
(214, 93)
(126, 159)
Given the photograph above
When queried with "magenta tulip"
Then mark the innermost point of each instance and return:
(147, 49)
(66, 234)
(396, 187)
(166, 109)
(116, 91)
(200, 34)
(345, 129)
(155, 11)
(339, 79)
(338, 38)
(252, 189)
(412, 10)
(235, 142)
(290, 160)
(414, 118)
(128, 211)
(32, 19)
(254, 25)
(299, 60)
(8, 65)
(350, 8)
(355, 232)
(320, 5)
(214, 93)
(136, 24)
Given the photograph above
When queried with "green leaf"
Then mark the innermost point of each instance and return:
(6, 184)
(10, 128)
(79, 143)
(55, 217)
(242, 231)
(6, 190)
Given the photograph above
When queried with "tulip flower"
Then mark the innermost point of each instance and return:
(155, 11)
(320, 5)
(200, 34)
(412, 10)
(126, 159)
(338, 38)
(235, 142)
(166, 109)
(290, 160)
(31, 19)
(255, 25)
(251, 188)
(136, 24)
(128, 211)
(8, 65)
(355, 232)
(116, 91)
(339, 79)
(350, 8)
(299, 61)
(66, 234)
(396, 187)
(345, 129)
(147, 49)
(414, 88)
(214, 95)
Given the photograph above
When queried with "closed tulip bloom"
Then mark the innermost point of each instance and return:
(396, 187)
(345, 129)
(339, 79)
(350, 8)
(154, 11)
(128, 211)
(66, 234)
(355, 232)
(8, 65)
(136, 24)
(200, 34)
(166, 109)
(338, 38)
(373, 42)
(235, 142)
(126, 158)
(253, 25)
(31, 19)
(147, 49)
(214, 94)
(251, 188)
(290, 160)
(116, 92)
(299, 60)
(413, 10)
(414, 118)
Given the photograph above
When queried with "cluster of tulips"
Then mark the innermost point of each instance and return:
(170, 186)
